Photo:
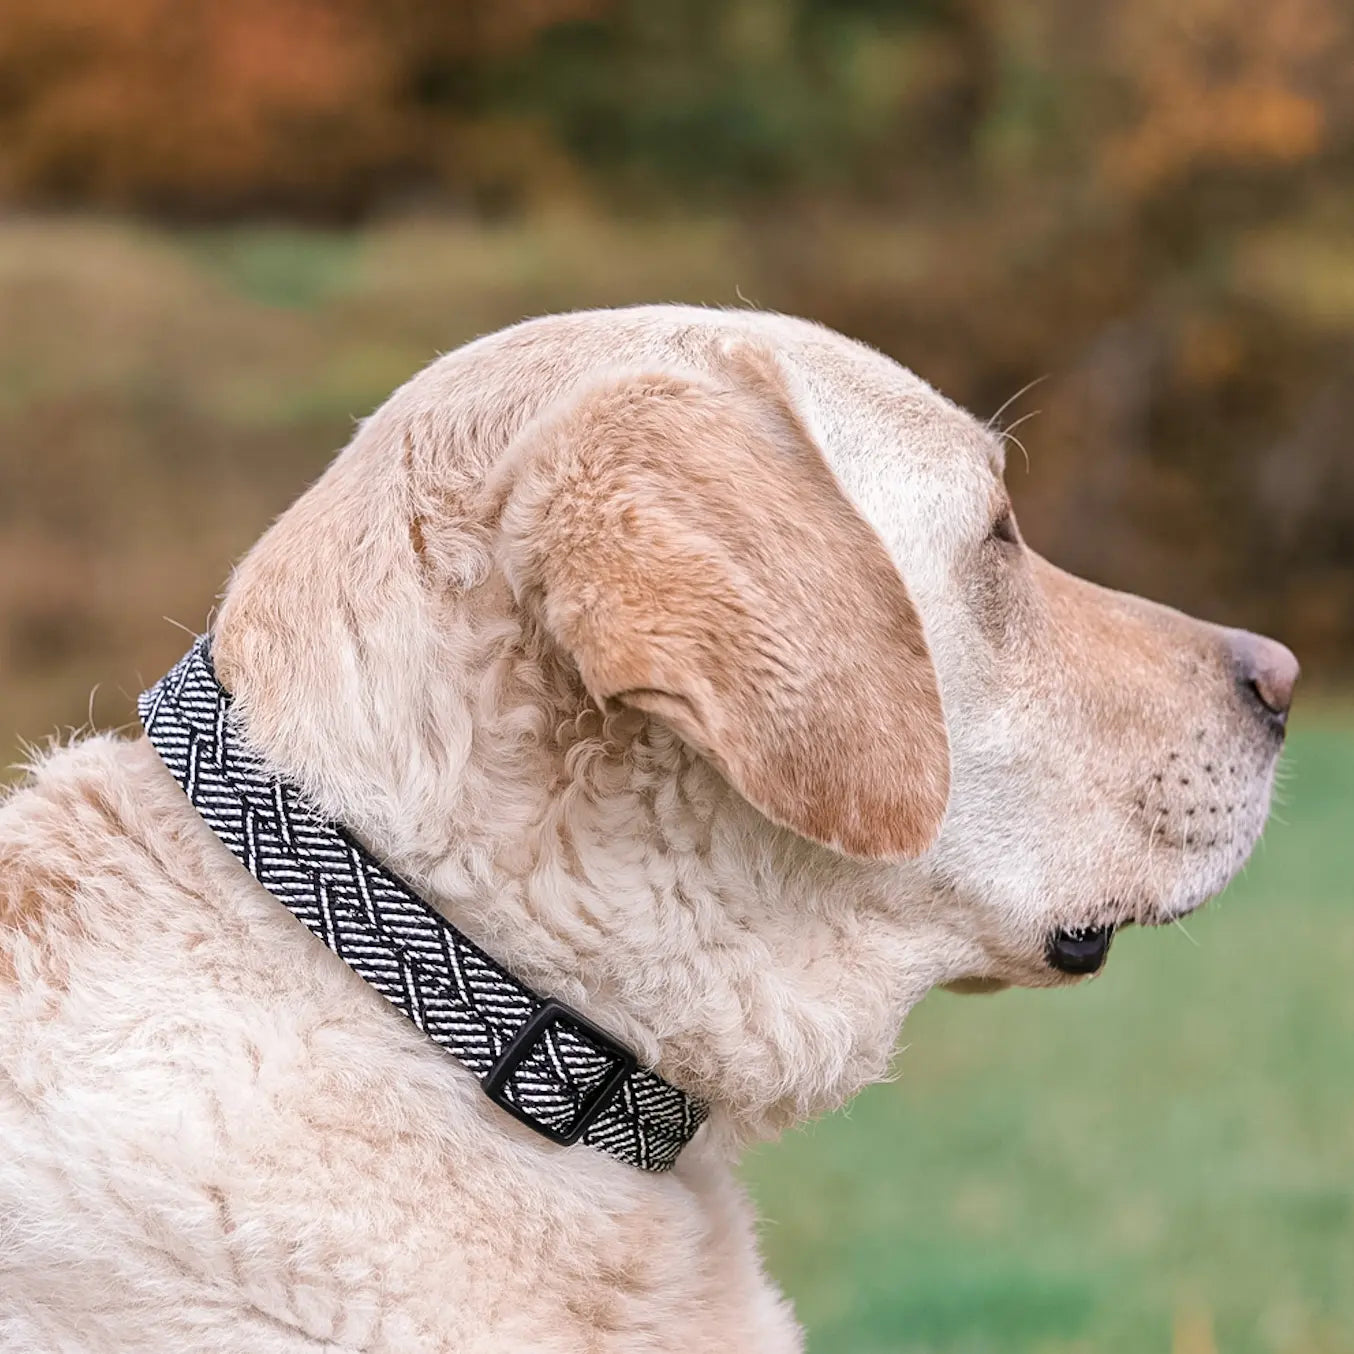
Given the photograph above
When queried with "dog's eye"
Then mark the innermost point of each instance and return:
(1004, 529)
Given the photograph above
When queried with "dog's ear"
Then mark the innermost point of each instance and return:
(684, 540)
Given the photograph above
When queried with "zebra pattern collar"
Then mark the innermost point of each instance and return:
(536, 1058)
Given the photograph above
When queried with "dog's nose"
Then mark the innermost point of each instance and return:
(1266, 670)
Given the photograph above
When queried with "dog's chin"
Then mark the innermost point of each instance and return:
(976, 987)
(1073, 953)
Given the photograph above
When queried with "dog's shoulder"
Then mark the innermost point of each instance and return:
(62, 826)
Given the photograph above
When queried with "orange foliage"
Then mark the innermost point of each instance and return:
(331, 106)
(1222, 82)
(228, 103)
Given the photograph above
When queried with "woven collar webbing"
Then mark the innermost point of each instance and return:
(539, 1060)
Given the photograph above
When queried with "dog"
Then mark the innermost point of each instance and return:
(691, 664)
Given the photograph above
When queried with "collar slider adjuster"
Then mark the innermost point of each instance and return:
(546, 1020)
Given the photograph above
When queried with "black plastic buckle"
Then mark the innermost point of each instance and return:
(520, 1047)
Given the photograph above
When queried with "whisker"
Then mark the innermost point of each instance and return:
(1011, 437)
(1029, 385)
(1024, 418)
(1181, 926)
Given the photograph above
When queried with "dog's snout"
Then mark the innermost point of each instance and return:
(1266, 671)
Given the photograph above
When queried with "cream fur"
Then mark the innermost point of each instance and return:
(553, 584)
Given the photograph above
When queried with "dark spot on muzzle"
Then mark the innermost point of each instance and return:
(1082, 950)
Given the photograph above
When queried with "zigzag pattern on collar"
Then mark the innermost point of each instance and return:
(539, 1060)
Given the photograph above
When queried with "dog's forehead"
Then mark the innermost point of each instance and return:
(865, 407)
(916, 465)
(923, 471)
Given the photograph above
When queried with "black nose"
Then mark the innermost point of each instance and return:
(1079, 951)
(1266, 671)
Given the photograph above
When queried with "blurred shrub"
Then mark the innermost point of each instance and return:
(327, 106)
(1149, 202)
(209, 106)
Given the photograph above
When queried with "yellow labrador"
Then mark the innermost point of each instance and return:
(692, 665)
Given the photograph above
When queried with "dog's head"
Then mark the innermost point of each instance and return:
(902, 733)
(825, 592)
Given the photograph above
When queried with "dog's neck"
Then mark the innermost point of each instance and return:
(597, 857)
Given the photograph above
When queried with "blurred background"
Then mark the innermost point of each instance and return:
(229, 227)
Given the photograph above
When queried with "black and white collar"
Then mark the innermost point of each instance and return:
(542, 1062)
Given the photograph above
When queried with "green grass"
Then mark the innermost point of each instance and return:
(285, 266)
(1162, 1159)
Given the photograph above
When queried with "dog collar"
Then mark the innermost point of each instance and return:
(536, 1058)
